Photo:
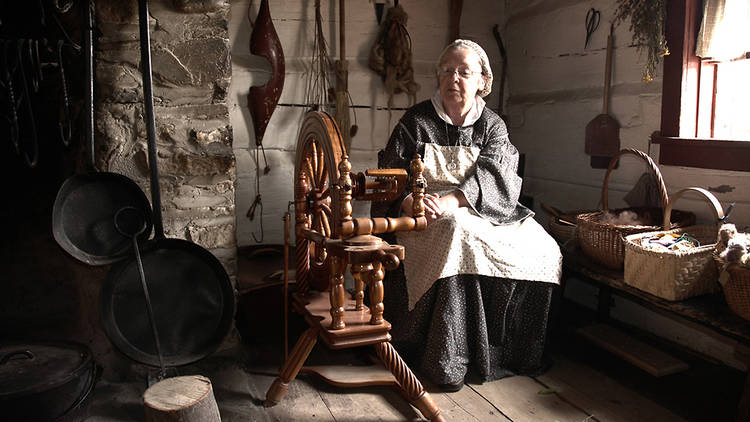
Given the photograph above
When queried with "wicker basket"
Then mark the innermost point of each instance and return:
(560, 230)
(604, 242)
(675, 275)
(561, 225)
(737, 290)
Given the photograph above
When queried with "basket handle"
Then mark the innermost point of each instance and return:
(715, 205)
(651, 165)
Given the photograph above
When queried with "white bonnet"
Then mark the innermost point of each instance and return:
(484, 61)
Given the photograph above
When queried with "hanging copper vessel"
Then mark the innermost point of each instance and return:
(265, 42)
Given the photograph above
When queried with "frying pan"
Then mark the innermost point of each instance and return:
(190, 292)
(84, 209)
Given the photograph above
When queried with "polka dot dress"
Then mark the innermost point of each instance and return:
(471, 305)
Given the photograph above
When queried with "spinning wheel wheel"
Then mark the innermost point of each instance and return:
(328, 241)
(319, 153)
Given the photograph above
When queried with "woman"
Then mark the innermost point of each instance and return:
(474, 291)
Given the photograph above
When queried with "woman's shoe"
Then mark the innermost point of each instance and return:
(452, 388)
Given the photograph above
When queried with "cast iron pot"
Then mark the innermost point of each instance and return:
(41, 382)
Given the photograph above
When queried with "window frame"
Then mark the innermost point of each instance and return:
(682, 68)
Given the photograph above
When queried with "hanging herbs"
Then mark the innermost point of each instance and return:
(647, 19)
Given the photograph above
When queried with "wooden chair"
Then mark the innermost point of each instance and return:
(328, 240)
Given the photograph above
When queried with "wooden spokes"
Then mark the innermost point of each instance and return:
(319, 151)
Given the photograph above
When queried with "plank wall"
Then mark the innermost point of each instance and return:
(553, 89)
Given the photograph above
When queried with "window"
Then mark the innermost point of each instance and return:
(704, 101)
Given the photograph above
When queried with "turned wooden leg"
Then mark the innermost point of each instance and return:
(337, 293)
(291, 367)
(410, 385)
(376, 293)
(359, 286)
(302, 245)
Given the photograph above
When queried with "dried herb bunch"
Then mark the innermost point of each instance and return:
(647, 19)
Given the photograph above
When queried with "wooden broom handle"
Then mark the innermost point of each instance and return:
(608, 71)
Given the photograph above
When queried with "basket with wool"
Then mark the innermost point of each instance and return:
(733, 258)
(601, 233)
(675, 274)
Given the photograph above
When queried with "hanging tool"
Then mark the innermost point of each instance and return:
(456, 6)
(603, 132)
(262, 100)
(379, 6)
(503, 70)
(342, 81)
(592, 22)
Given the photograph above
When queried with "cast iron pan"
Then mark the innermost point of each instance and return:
(190, 292)
(84, 209)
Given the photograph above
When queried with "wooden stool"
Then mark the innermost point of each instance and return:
(184, 399)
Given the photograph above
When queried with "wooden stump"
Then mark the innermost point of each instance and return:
(182, 399)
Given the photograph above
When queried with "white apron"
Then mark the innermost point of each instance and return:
(462, 242)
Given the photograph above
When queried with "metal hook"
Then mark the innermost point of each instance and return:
(8, 74)
(64, 122)
(32, 160)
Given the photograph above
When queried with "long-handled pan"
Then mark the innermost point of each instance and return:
(190, 292)
(85, 206)
(603, 132)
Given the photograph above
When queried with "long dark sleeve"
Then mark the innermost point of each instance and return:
(494, 188)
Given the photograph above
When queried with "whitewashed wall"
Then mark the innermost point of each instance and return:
(555, 89)
(294, 21)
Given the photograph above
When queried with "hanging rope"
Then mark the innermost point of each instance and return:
(319, 94)
(258, 201)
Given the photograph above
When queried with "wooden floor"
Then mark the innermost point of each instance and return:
(583, 383)
(589, 386)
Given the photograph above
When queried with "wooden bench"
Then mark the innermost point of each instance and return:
(708, 313)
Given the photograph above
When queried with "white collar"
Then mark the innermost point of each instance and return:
(471, 117)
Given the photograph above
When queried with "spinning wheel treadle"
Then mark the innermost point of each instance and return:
(328, 241)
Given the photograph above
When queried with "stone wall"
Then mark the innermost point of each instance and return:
(191, 73)
(47, 295)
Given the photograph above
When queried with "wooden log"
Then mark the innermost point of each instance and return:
(181, 399)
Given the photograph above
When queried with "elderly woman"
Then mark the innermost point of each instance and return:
(474, 291)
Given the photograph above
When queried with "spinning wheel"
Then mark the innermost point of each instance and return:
(316, 171)
(328, 241)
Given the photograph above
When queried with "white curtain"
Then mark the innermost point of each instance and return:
(725, 30)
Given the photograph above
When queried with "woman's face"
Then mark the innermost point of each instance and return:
(460, 77)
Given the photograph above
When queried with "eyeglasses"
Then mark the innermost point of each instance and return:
(462, 72)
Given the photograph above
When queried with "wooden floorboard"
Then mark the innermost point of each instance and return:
(465, 405)
(629, 348)
(601, 396)
(570, 391)
(523, 399)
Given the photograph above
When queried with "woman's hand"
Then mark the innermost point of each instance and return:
(435, 205)
(432, 206)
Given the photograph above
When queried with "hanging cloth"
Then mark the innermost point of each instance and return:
(725, 30)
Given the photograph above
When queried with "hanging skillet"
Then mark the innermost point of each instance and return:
(190, 292)
(85, 206)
